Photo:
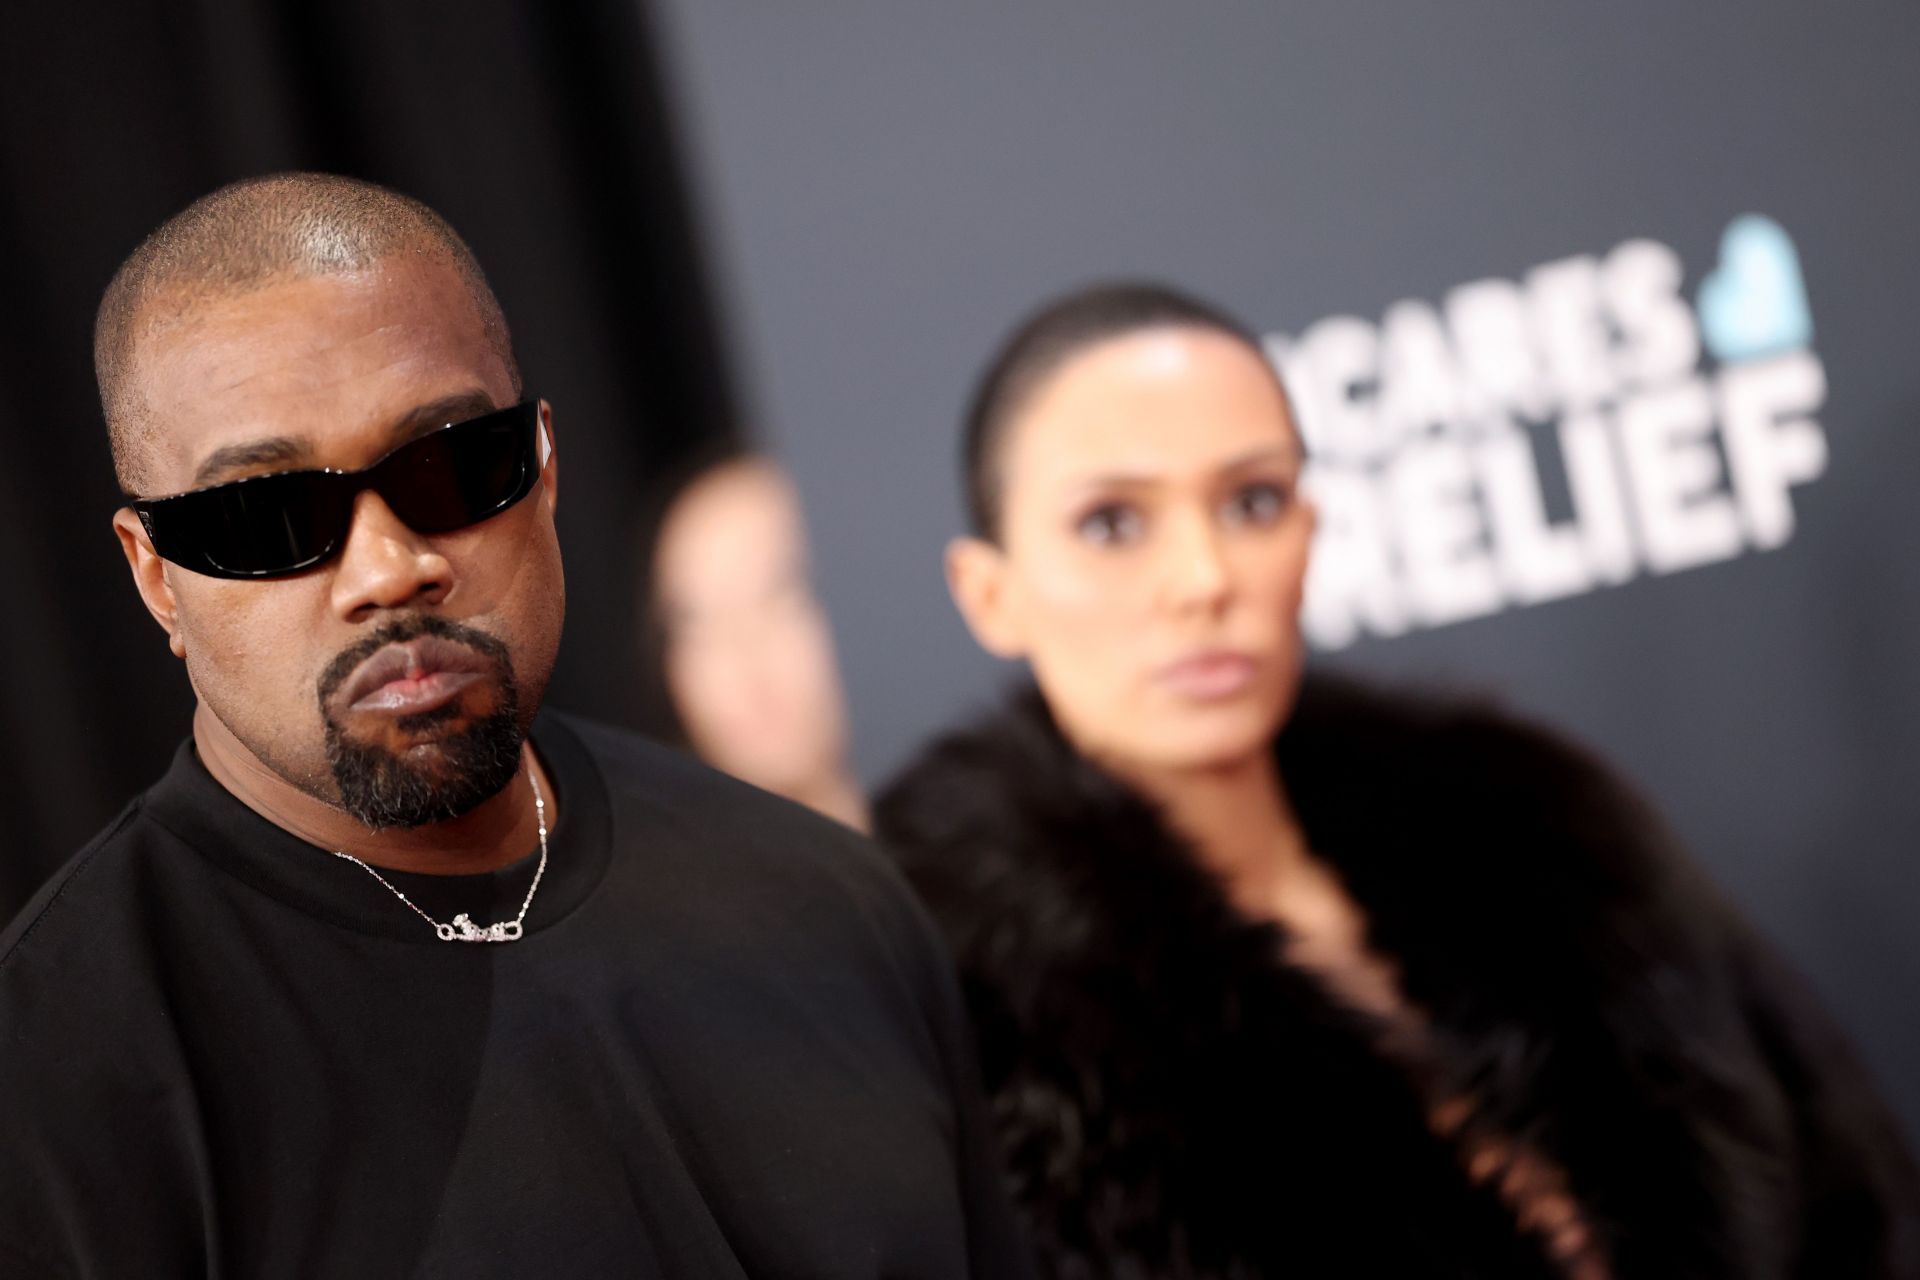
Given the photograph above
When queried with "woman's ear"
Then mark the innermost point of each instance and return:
(977, 578)
(149, 576)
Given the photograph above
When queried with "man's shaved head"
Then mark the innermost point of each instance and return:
(242, 237)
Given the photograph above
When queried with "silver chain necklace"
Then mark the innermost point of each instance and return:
(464, 929)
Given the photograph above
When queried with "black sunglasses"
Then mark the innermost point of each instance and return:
(266, 526)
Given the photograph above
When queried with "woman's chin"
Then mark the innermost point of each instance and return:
(1209, 736)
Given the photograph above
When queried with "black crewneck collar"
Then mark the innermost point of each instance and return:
(191, 803)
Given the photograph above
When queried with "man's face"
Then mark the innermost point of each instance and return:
(396, 678)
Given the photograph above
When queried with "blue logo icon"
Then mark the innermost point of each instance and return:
(1754, 303)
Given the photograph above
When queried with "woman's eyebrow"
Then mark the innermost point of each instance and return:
(1261, 456)
(1117, 480)
(1265, 455)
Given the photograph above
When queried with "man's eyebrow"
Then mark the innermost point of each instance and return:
(445, 411)
(284, 450)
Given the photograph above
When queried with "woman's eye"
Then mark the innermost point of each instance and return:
(1110, 524)
(1257, 504)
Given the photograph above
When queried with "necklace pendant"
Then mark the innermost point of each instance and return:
(463, 929)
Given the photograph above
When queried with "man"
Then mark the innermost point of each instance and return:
(393, 974)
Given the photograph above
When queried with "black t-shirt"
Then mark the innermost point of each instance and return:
(728, 1045)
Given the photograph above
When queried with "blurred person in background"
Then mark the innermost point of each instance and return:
(394, 972)
(1285, 976)
(745, 649)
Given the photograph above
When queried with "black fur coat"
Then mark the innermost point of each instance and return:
(1175, 1101)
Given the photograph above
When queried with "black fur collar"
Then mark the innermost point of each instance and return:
(1174, 1101)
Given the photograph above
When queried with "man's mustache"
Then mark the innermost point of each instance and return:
(401, 630)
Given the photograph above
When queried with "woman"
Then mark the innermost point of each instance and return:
(741, 642)
(1278, 977)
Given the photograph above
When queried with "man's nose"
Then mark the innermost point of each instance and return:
(386, 565)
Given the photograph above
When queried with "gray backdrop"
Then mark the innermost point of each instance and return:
(887, 186)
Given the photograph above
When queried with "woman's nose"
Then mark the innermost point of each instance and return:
(1195, 570)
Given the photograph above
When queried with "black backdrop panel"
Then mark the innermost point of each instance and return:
(537, 129)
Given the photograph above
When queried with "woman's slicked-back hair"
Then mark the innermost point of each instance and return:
(1046, 340)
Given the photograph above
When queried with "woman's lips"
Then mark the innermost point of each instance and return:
(1209, 676)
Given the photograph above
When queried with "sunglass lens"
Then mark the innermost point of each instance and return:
(461, 475)
(275, 524)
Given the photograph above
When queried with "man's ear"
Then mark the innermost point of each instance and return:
(149, 576)
(977, 578)
(549, 458)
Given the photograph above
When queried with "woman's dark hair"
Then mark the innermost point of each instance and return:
(1047, 339)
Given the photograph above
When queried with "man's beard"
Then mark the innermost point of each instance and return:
(381, 789)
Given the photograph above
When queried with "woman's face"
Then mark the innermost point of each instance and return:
(749, 657)
(1153, 547)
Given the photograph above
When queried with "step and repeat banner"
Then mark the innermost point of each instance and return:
(1601, 325)
(1525, 440)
